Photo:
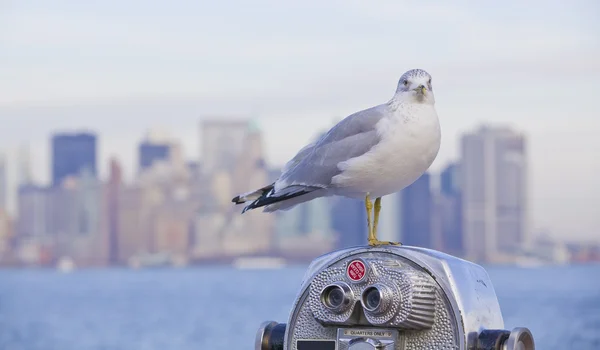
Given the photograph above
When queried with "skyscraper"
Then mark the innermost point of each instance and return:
(349, 221)
(248, 171)
(3, 190)
(35, 215)
(416, 207)
(113, 188)
(449, 210)
(450, 179)
(71, 154)
(133, 222)
(222, 143)
(156, 146)
(150, 152)
(494, 182)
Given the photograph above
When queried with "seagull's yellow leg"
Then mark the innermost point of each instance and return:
(373, 241)
(376, 216)
(369, 208)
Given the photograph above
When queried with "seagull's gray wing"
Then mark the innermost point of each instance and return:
(306, 150)
(308, 175)
(315, 165)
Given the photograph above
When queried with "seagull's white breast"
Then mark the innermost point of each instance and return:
(410, 141)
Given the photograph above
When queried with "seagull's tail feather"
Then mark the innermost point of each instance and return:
(252, 196)
(290, 203)
(283, 199)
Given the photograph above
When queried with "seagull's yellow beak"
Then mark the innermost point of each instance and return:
(421, 89)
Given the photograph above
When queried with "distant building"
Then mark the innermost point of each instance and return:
(390, 218)
(207, 234)
(89, 204)
(5, 235)
(3, 181)
(315, 217)
(151, 152)
(449, 211)
(133, 223)
(113, 188)
(34, 217)
(249, 169)
(494, 199)
(171, 228)
(88, 244)
(248, 172)
(44, 215)
(305, 231)
(450, 179)
(158, 148)
(24, 177)
(194, 168)
(222, 142)
(34, 226)
(416, 206)
(65, 221)
(349, 221)
(71, 154)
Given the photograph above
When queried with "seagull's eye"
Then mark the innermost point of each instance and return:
(406, 83)
(429, 82)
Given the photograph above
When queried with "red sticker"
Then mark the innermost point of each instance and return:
(356, 270)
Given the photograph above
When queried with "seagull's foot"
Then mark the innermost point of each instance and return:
(373, 242)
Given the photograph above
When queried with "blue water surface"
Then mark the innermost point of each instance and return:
(221, 307)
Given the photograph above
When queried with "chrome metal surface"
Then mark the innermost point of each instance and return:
(260, 334)
(519, 339)
(365, 344)
(270, 336)
(358, 339)
(431, 299)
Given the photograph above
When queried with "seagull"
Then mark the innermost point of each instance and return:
(369, 154)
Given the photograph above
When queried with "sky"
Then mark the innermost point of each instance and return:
(120, 68)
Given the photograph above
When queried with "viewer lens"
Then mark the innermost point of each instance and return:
(337, 297)
(333, 297)
(371, 298)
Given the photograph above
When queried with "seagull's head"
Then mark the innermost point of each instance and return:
(415, 86)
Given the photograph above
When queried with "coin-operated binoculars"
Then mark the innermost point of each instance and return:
(393, 298)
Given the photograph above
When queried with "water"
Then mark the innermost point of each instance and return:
(221, 308)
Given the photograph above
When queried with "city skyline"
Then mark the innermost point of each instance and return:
(116, 68)
(179, 212)
(163, 139)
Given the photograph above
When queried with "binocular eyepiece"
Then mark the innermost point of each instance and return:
(337, 296)
(393, 297)
(372, 297)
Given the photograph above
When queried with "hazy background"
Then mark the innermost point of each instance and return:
(290, 71)
(119, 68)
